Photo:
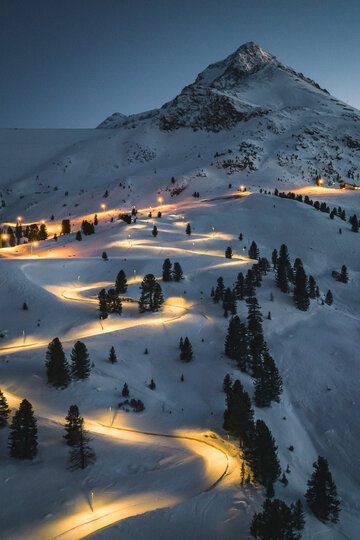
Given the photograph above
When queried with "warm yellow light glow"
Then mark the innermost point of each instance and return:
(160, 199)
(19, 218)
(35, 244)
(59, 228)
(242, 188)
(103, 206)
(43, 221)
(4, 236)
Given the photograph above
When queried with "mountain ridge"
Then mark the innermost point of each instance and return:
(221, 95)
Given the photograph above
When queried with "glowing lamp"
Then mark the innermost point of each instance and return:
(103, 206)
(35, 244)
(160, 199)
(4, 236)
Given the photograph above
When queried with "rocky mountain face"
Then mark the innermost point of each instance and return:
(296, 128)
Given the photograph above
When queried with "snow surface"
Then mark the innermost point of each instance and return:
(145, 484)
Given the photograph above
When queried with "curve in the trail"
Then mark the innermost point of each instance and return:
(90, 522)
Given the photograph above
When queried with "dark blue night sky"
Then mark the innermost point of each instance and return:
(72, 63)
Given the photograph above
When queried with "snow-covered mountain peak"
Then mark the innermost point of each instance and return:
(247, 59)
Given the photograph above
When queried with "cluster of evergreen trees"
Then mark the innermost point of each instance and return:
(304, 288)
(81, 455)
(23, 435)
(33, 232)
(245, 344)
(244, 287)
(278, 521)
(322, 207)
(341, 276)
(257, 443)
(59, 372)
(169, 273)
(109, 302)
(186, 352)
(151, 298)
(282, 522)
(87, 227)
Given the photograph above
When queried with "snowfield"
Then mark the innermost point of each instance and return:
(170, 471)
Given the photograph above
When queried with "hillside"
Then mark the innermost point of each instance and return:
(171, 471)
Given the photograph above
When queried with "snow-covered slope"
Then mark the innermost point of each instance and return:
(247, 120)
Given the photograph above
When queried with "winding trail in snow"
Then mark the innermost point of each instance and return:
(85, 523)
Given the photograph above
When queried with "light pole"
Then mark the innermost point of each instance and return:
(31, 247)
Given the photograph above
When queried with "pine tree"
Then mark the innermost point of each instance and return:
(236, 343)
(227, 384)
(268, 383)
(151, 297)
(121, 283)
(186, 353)
(4, 410)
(104, 256)
(274, 258)
(321, 495)
(23, 433)
(254, 318)
(42, 232)
(158, 297)
(239, 287)
(343, 274)
(78, 236)
(96, 220)
(282, 267)
(103, 305)
(112, 356)
(81, 455)
(229, 302)
(312, 287)
(80, 362)
(125, 390)
(74, 425)
(240, 236)
(262, 456)
(239, 415)
(220, 290)
(177, 272)
(275, 522)
(301, 294)
(232, 338)
(249, 284)
(181, 343)
(253, 251)
(228, 253)
(57, 368)
(188, 229)
(113, 302)
(166, 270)
(152, 385)
(154, 231)
(298, 516)
(329, 298)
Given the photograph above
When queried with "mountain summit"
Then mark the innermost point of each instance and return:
(249, 83)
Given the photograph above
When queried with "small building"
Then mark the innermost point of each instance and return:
(346, 185)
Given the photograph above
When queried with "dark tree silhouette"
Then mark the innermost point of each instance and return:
(321, 495)
(23, 433)
(57, 368)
